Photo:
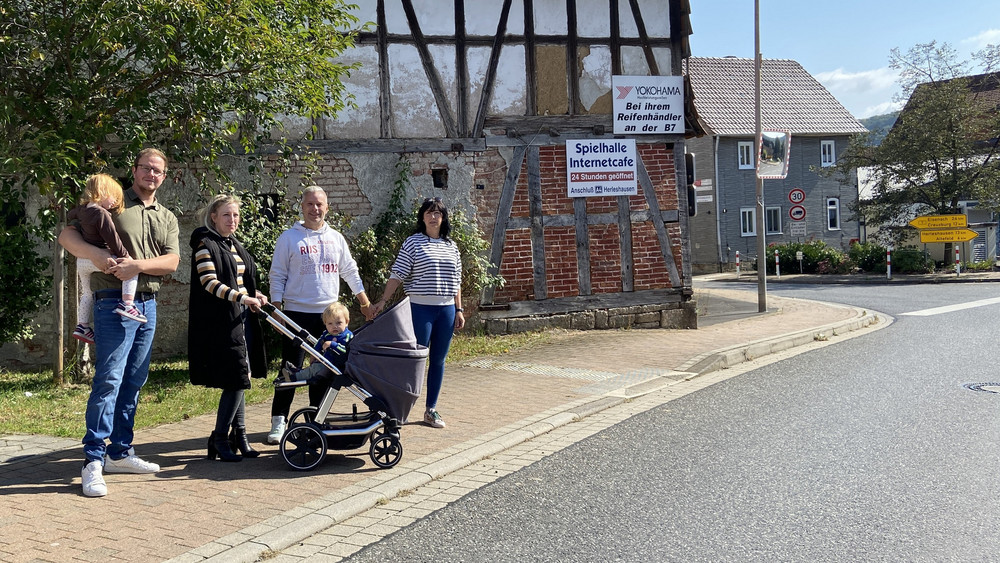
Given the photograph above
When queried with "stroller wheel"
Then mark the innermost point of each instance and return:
(304, 415)
(386, 450)
(303, 447)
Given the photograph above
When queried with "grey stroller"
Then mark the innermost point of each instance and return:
(384, 370)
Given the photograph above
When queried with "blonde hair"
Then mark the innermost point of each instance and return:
(101, 186)
(213, 205)
(336, 308)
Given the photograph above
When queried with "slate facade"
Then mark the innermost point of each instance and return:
(820, 129)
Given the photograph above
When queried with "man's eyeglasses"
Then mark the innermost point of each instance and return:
(154, 171)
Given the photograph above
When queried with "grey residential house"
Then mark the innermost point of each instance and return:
(805, 205)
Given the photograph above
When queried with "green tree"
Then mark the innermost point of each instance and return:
(942, 148)
(88, 83)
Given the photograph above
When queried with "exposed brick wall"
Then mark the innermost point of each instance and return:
(649, 268)
(605, 258)
(516, 266)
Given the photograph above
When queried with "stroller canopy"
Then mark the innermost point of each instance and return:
(386, 360)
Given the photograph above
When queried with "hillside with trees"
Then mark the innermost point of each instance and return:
(879, 125)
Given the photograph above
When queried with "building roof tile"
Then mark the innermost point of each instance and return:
(791, 99)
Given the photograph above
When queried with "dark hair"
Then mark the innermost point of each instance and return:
(433, 204)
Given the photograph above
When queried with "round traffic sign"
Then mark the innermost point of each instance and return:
(797, 213)
(797, 195)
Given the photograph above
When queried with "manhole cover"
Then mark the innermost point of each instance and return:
(984, 387)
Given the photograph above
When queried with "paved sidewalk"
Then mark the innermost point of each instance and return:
(195, 509)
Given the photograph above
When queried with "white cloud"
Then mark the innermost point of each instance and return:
(858, 82)
(879, 109)
(864, 93)
(988, 37)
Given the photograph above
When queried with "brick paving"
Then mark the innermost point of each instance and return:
(195, 509)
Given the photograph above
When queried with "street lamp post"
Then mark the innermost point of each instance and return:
(761, 243)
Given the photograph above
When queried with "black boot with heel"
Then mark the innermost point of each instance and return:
(218, 446)
(238, 441)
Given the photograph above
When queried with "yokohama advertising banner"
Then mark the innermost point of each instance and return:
(650, 105)
(601, 167)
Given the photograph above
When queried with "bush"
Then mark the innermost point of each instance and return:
(911, 260)
(817, 258)
(23, 288)
(869, 257)
(375, 249)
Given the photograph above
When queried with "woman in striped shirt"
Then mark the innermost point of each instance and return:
(225, 342)
(429, 267)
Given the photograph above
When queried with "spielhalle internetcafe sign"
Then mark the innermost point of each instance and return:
(651, 105)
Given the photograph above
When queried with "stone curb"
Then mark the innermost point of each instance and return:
(731, 356)
(297, 525)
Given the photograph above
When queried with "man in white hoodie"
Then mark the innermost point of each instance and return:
(309, 261)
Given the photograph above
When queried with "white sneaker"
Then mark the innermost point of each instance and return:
(93, 480)
(129, 464)
(433, 418)
(277, 429)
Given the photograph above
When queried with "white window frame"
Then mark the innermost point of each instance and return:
(745, 155)
(772, 227)
(750, 212)
(827, 153)
(833, 214)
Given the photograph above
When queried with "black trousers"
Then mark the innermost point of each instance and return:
(282, 402)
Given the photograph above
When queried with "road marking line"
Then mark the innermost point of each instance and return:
(952, 308)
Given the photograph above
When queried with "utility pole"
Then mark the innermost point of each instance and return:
(761, 243)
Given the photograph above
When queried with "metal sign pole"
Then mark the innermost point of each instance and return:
(761, 243)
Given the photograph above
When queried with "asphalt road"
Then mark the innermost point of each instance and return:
(870, 449)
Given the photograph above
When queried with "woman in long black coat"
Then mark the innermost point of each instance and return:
(225, 343)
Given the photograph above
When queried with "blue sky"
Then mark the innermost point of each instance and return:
(845, 45)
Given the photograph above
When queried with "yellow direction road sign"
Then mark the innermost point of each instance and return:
(947, 235)
(940, 222)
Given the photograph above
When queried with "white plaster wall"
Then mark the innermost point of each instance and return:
(363, 121)
(437, 17)
(656, 16)
(592, 18)
(510, 90)
(595, 79)
(634, 61)
(414, 112)
(481, 18)
(478, 60)
(550, 18)
(395, 18)
(365, 11)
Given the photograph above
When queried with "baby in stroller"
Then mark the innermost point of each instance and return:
(332, 344)
(383, 368)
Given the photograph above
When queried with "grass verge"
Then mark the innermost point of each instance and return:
(31, 404)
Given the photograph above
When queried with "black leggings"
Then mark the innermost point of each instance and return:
(232, 412)
(295, 355)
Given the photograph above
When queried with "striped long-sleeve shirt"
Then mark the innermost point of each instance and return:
(210, 281)
(429, 267)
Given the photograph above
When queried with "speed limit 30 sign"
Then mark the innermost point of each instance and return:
(797, 213)
(797, 195)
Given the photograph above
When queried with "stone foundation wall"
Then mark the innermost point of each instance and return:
(669, 315)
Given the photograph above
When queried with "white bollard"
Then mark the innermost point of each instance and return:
(888, 263)
(777, 265)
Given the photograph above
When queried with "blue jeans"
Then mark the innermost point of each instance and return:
(123, 348)
(434, 325)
